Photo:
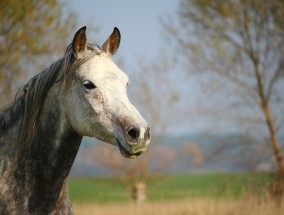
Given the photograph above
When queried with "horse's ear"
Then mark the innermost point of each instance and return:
(79, 44)
(112, 43)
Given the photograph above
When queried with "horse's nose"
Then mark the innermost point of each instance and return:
(134, 134)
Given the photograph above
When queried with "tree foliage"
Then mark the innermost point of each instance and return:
(30, 31)
(240, 45)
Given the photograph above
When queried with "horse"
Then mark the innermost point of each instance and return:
(82, 94)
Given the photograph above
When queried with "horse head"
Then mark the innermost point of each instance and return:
(96, 102)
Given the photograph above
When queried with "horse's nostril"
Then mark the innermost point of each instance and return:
(133, 134)
(147, 134)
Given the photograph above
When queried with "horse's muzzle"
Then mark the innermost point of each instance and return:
(137, 142)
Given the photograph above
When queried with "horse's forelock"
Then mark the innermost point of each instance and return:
(72, 64)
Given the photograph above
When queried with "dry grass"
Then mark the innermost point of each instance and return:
(246, 206)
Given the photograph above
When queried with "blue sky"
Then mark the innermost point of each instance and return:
(138, 22)
(141, 30)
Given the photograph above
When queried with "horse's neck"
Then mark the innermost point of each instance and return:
(40, 170)
(54, 149)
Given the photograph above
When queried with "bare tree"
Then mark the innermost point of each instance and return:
(240, 46)
(134, 174)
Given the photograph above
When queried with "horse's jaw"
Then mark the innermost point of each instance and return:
(125, 153)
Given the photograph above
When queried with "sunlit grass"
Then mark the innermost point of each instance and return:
(193, 206)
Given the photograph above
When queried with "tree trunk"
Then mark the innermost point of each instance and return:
(274, 138)
(269, 120)
(139, 192)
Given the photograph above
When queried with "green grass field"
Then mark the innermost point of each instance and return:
(109, 190)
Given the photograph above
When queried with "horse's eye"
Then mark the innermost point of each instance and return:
(89, 85)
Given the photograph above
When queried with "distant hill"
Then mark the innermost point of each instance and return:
(219, 153)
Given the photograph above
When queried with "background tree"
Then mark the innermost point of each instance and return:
(238, 49)
(31, 32)
(133, 175)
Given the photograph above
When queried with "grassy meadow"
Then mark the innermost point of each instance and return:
(191, 194)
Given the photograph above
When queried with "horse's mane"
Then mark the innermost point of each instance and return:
(35, 91)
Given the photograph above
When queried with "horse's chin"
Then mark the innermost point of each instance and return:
(125, 153)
